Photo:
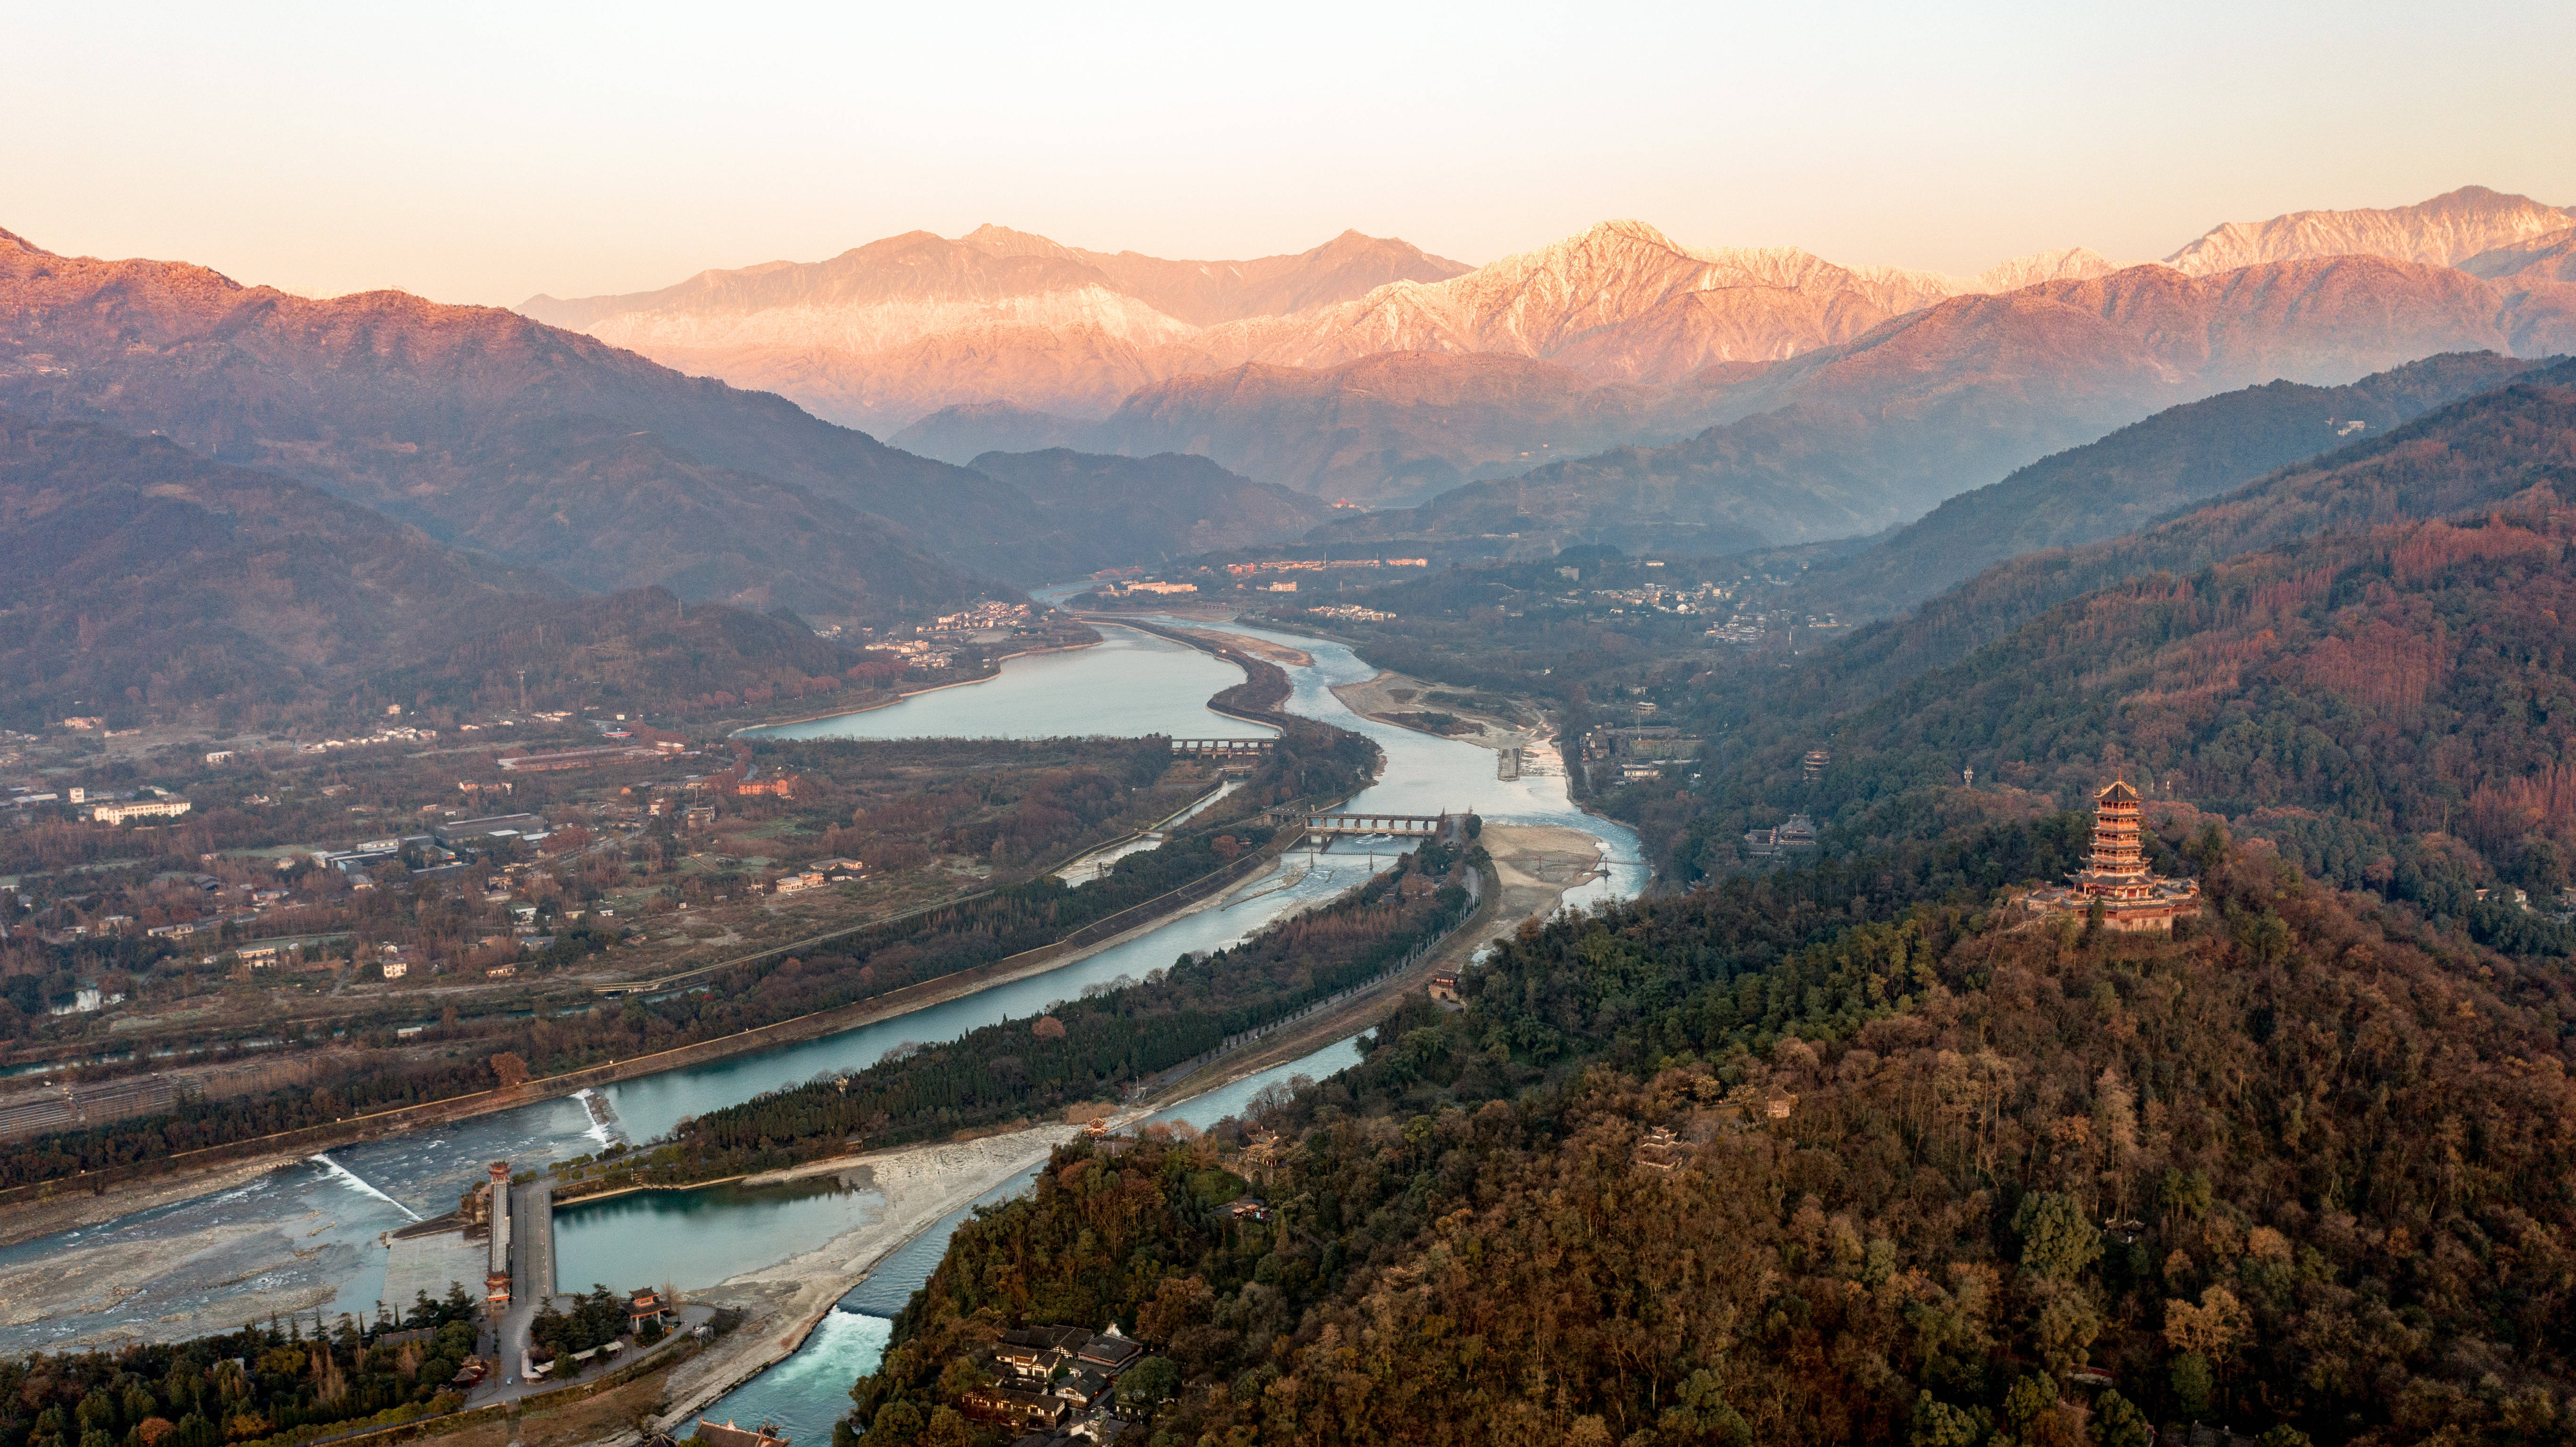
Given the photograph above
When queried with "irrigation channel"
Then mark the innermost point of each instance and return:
(306, 1237)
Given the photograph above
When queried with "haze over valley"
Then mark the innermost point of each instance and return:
(1631, 728)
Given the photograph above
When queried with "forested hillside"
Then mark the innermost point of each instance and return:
(128, 562)
(2393, 707)
(2137, 476)
(2469, 456)
(1935, 1176)
(270, 1386)
(136, 576)
(642, 648)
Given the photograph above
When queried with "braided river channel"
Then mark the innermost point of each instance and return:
(311, 1233)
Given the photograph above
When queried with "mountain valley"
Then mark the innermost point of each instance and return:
(535, 446)
(916, 726)
(2065, 781)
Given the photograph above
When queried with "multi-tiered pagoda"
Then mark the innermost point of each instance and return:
(2132, 896)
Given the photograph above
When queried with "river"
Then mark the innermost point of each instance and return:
(807, 1392)
(313, 1227)
(1128, 685)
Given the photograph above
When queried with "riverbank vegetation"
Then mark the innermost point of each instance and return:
(1089, 1049)
(1011, 800)
(262, 1386)
(598, 1316)
(1933, 1175)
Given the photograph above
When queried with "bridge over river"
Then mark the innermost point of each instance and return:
(1445, 824)
(1222, 748)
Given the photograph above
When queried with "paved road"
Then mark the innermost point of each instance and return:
(532, 1280)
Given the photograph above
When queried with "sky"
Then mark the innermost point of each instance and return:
(485, 153)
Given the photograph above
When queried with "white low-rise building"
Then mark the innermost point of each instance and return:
(138, 809)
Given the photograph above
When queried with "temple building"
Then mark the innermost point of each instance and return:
(2132, 897)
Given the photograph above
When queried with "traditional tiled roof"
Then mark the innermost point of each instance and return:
(1010, 1404)
(1111, 1350)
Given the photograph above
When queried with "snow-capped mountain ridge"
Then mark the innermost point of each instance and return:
(1625, 301)
(886, 333)
(875, 326)
(2444, 231)
(2548, 258)
(1620, 299)
(2070, 263)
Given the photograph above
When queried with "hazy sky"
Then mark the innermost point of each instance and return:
(484, 153)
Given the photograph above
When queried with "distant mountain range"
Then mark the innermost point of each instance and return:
(887, 332)
(2548, 259)
(2448, 230)
(1615, 387)
(1851, 439)
(538, 446)
(136, 575)
(1370, 370)
(542, 448)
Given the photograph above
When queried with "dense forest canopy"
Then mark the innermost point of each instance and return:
(1941, 1174)
(267, 1386)
(2137, 476)
(2361, 659)
(2365, 698)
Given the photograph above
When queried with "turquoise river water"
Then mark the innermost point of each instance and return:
(311, 1232)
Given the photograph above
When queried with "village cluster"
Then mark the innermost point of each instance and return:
(443, 890)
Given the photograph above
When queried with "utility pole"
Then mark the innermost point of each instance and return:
(523, 690)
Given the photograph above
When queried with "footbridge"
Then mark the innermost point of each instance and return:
(1411, 826)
